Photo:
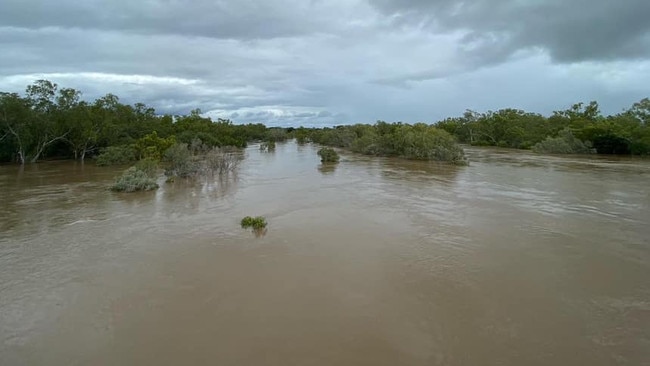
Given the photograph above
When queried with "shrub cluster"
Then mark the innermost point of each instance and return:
(328, 155)
(267, 145)
(182, 162)
(419, 141)
(256, 223)
(564, 143)
(134, 179)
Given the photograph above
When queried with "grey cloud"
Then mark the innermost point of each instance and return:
(325, 62)
(242, 19)
(570, 31)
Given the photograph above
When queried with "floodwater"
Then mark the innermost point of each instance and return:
(517, 259)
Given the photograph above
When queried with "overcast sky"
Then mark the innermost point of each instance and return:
(291, 62)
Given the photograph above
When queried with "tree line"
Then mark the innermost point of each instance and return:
(580, 127)
(52, 122)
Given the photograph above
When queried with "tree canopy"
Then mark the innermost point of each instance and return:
(52, 122)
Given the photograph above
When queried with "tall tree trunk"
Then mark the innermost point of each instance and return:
(44, 144)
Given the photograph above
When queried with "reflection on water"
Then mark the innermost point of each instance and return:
(518, 259)
(327, 168)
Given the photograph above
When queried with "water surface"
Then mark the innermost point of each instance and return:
(518, 259)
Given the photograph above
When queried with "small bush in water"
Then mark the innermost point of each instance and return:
(148, 166)
(180, 162)
(328, 155)
(268, 145)
(133, 180)
(256, 223)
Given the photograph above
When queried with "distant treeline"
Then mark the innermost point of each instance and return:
(569, 131)
(52, 122)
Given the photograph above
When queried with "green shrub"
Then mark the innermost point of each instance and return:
(133, 180)
(276, 134)
(328, 155)
(152, 146)
(564, 143)
(423, 142)
(256, 223)
(419, 141)
(116, 155)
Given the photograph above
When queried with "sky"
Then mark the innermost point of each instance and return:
(318, 62)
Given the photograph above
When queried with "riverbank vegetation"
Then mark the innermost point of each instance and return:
(627, 132)
(48, 122)
(419, 141)
(51, 122)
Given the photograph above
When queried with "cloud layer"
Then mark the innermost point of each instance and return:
(324, 62)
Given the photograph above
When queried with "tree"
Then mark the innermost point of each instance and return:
(14, 117)
(641, 111)
(85, 129)
(47, 129)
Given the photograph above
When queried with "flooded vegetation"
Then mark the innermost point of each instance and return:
(517, 259)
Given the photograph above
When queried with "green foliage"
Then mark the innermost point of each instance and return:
(256, 223)
(52, 121)
(328, 155)
(153, 147)
(564, 143)
(148, 166)
(419, 141)
(47, 121)
(276, 134)
(302, 135)
(116, 155)
(134, 179)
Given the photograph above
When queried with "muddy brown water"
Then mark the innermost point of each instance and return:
(517, 259)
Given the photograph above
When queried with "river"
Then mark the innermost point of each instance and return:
(518, 259)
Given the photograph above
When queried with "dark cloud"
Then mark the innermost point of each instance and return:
(570, 31)
(284, 62)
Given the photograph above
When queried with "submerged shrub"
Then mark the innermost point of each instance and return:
(564, 143)
(148, 166)
(256, 223)
(180, 162)
(268, 145)
(133, 180)
(419, 141)
(423, 142)
(116, 155)
(328, 155)
(221, 160)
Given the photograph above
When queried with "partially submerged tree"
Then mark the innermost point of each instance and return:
(564, 143)
(328, 155)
